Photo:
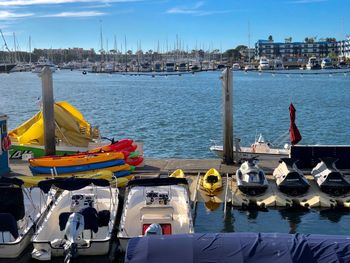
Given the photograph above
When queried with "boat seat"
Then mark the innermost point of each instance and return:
(8, 228)
(212, 179)
(90, 219)
(103, 218)
(62, 220)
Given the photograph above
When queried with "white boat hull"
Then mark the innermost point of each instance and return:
(246, 153)
(14, 249)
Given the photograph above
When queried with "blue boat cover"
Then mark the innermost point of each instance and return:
(75, 168)
(239, 248)
(70, 184)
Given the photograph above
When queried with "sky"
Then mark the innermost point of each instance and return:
(165, 24)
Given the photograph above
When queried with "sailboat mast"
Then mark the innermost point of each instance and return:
(101, 41)
(249, 42)
(30, 49)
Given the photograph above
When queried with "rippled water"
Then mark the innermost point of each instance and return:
(177, 116)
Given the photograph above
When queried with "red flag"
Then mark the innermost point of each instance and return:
(295, 135)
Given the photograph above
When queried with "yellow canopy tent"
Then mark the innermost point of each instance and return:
(71, 127)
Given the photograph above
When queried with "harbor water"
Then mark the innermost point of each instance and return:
(177, 116)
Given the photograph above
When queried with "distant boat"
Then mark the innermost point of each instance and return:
(259, 149)
(157, 67)
(264, 64)
(236, 67)
(313, 63)
(195, 68)
(342, 65)
(6, 67)
(170, 67)
(326, 63)
(43, 62)
(182, 67)
(249, 67)
(278, 64)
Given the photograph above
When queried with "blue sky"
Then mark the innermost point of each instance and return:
(207, 24)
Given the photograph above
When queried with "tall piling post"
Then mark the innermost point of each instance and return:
(227, 87)
(48, 111)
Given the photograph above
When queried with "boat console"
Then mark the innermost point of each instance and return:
(80, 201)
(157, 198)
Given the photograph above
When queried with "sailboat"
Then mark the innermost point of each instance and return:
(5, 66)
(249, 66)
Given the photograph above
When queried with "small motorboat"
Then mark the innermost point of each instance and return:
(329, 178)
(251, 180)
(212, 181)
(157, 203)
(80, 222)
(289, 179)
(20, 210)
(179, 173)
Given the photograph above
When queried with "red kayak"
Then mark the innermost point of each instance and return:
(122, 145)
(134, 161)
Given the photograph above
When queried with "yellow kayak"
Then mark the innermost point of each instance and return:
(32, 181)
(178, 174)
(212, 181)
(112, 169)
(122, 181)
(77, 159)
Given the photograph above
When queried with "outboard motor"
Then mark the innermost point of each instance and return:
(154, 229)
(74, 228)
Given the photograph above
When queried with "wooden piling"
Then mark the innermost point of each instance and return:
(48, 111)
(228, 157)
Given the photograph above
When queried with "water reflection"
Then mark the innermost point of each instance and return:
(229, 221)
(211, 205)
(293, 216)
(334, 214)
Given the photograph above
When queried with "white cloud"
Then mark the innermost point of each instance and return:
(186, 10)
(195, 10)
(50, 2)
(9, 15)
(76, 14)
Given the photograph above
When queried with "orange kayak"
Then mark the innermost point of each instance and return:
(58, 161)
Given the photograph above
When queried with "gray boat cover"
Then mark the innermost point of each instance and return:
(239, 247)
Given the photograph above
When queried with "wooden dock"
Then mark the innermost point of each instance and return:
(196, 168)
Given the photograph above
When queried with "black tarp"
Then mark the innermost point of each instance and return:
(309, 155)
(70, 184)
(12, 201)
(239, 248)
(157, 181)
(5, 181)
(8, 224)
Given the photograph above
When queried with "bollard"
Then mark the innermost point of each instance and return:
(48, 111)
(228, 157)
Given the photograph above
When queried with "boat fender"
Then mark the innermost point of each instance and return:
(6, 143)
